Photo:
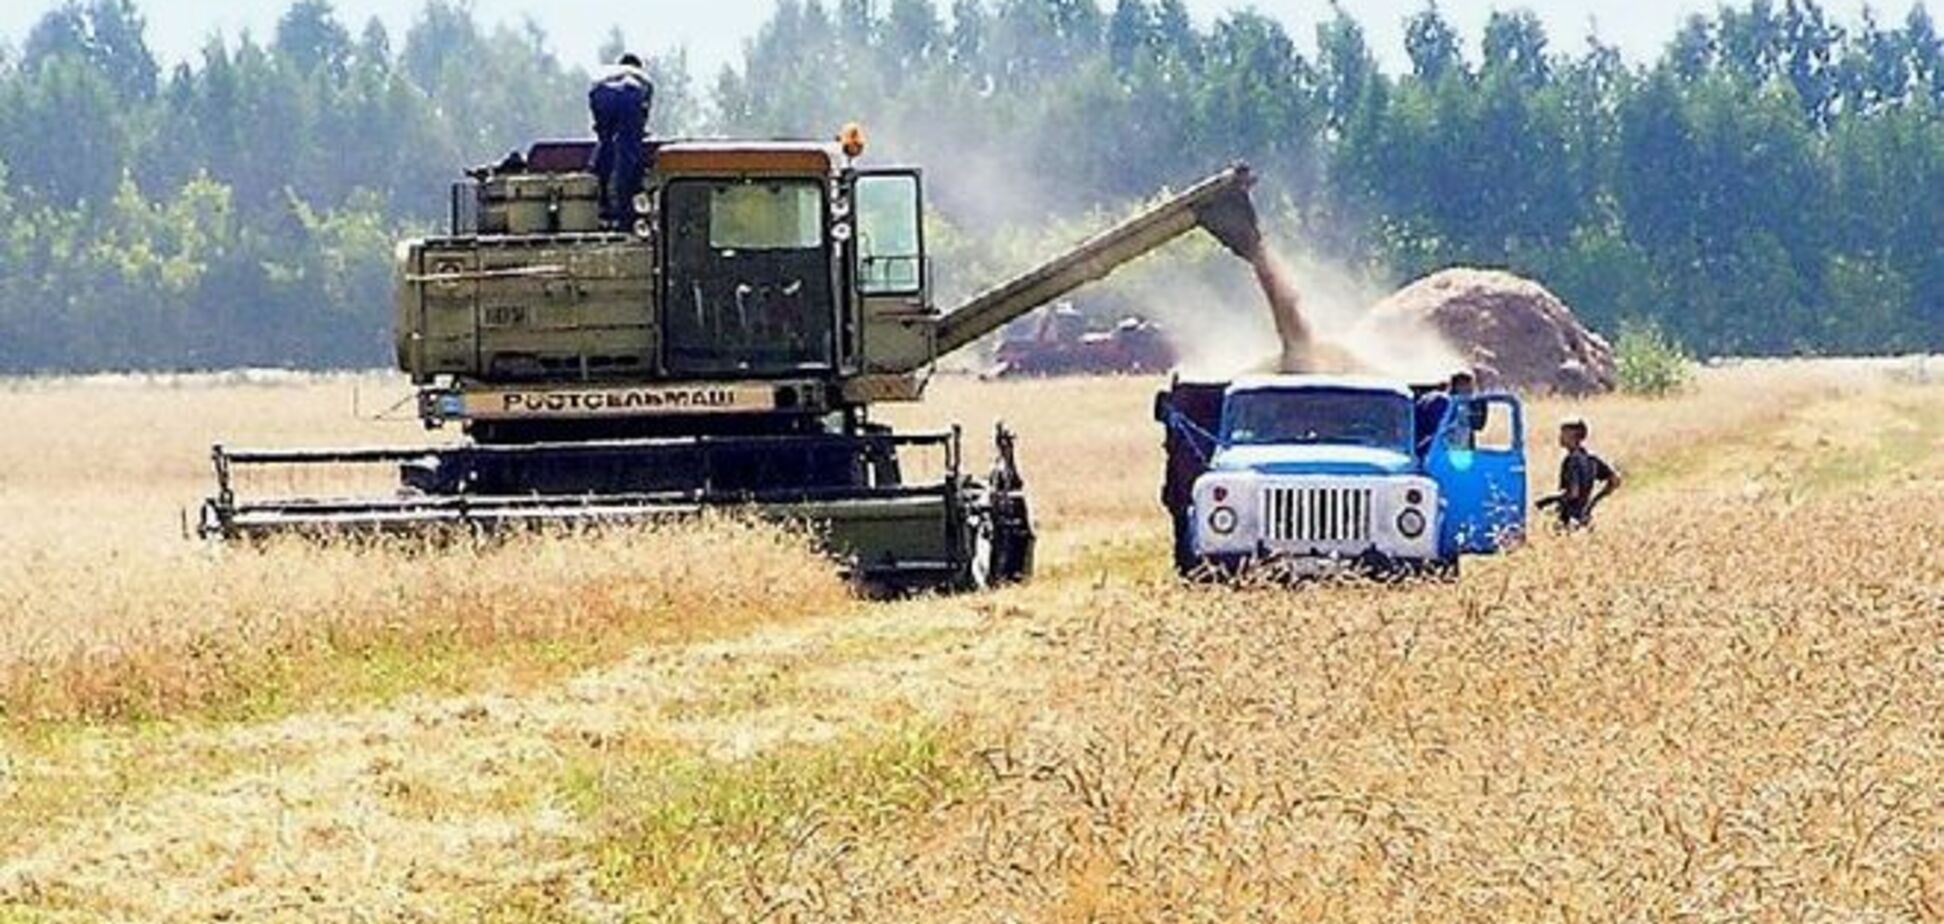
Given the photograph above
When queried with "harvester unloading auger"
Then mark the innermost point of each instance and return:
(725, 351)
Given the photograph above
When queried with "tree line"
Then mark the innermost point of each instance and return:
(1772, 182)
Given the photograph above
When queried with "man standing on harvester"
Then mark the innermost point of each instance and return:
(619, 101)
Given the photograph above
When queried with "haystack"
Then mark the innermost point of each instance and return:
(1514, 332)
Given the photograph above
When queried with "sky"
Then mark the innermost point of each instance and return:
(714, 31)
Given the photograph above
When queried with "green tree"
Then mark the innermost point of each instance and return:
(63, 132)
(1772, 181)
(912, 34)
(1346, 70)
(1692, 52)
(108, 34)
(311, 39)
(1812, 43)
(1256, 91)
(1515, 48)
(1130, 33)
(968, 38)
(1432, 45)
(1926, 51)
(1869, 305)
(1177, 34)
(1752, 41)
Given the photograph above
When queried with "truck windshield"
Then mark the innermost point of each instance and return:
(1318, 416)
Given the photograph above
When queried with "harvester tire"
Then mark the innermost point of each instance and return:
(1013, 542)
(982, 554)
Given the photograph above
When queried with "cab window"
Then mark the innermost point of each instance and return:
(773, 216)
(747, 288)
(890, 236)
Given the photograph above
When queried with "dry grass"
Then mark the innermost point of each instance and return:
(107, 613)
(1702, 712)
(1718, 706)
(211, 628)
(1714, 707)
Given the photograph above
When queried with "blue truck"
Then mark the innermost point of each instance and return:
(1314, 474)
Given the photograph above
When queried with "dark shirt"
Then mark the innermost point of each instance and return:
(1579, 473)
(1431, 410)
(620, 99)
(621, 75)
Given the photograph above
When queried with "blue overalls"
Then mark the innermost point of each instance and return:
(619, 103)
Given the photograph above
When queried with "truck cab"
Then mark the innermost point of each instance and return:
(1312, 474)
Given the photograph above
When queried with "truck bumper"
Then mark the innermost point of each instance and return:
(1293, 567)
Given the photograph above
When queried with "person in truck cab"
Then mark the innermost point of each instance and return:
(1584, 478)
(1433, 405)
(619, 101)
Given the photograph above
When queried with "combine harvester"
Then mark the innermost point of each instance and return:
(725, 351)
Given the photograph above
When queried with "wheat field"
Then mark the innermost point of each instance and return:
(1720, 705)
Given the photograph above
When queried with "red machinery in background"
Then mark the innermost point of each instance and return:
(1061, 342)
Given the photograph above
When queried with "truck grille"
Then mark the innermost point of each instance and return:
(1334, 515)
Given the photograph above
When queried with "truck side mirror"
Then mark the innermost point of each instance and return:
(1163, 408)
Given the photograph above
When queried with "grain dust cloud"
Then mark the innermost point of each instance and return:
(1315, 325)
(1325, 318)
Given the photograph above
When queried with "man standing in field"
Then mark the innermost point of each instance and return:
(1584, 478)
(620, 100)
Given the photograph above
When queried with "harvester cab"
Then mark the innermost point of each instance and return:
(726, 350)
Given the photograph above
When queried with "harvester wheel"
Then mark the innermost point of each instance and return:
(979, 563)
(1013, 542)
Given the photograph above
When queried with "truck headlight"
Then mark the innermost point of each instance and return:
(1222, 520)
(1411, 523)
